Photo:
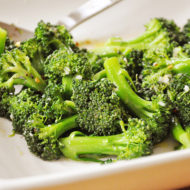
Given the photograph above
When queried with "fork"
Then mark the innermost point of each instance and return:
(75, 18)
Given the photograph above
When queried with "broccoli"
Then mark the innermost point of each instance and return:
(156, 113)
(46, 40)
(37, 54)
(32, 115)
(9, 44)
(157, 77)
(161, 36)
(64, 62)
(179, 93)
(16, 68)
(21, 106)
(3, 36)
(64, 65)
(52, 37)
(5, 96)
(186, 30)
(42, 139)
(134, 63)
(180, 134)
(132, 143)
(50, 106)
(98, 106)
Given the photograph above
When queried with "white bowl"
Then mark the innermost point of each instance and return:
(19, 169)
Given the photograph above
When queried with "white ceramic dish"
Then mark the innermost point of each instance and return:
(19, 169)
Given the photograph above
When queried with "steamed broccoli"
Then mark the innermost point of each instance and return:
(42, 139)
(161, 36)
(9, 44)
(16, 68)
(21, 107)
(64, 65)
(180, 134)
(50, 106)
(186, 30)
(98, 106)
(156, 113)
(41, 119)
(179, 93)
(52, 37)
(157, 77)
(132, 143)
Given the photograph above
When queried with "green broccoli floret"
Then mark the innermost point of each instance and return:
(180, 134)
(63, 66)
(64, 62)
(157, 77)
(50, 106)
(132, 143)
(21, 107)
(134, 63)
(47, 39)
(16, 68)
(42, 139)
(98, 106)
(179, 93)
(186, 30)
(36, 52)
(9, 44)
(161, 36)
(3, 37)
(5, 97)
(53, 37)
(156, 113)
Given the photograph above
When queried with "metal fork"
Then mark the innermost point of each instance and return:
(75, 18)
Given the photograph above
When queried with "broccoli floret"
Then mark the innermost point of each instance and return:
(179, 93)
(3, 37)
(186, 30)
(156, 113)
(47, 39)
(98, 106)
(161, 36)
(9, 44)
(132, 143)
(134, 63)
(16, 68)
(53, 106)
(63, 66)
(180, 134)
(21, 107)
(42, 140)
(53, 37)
(157, 78)
(64, 62)
(5, 97)
(50, 106)
(37, 54)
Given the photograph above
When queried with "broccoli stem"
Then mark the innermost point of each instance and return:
(100, 75)
(67, 86)
(140, 42)
(3, 35)
(173, 66)
(180, 134)
(57, 129)
(115, 74)
(181, 66)
(77, 145)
